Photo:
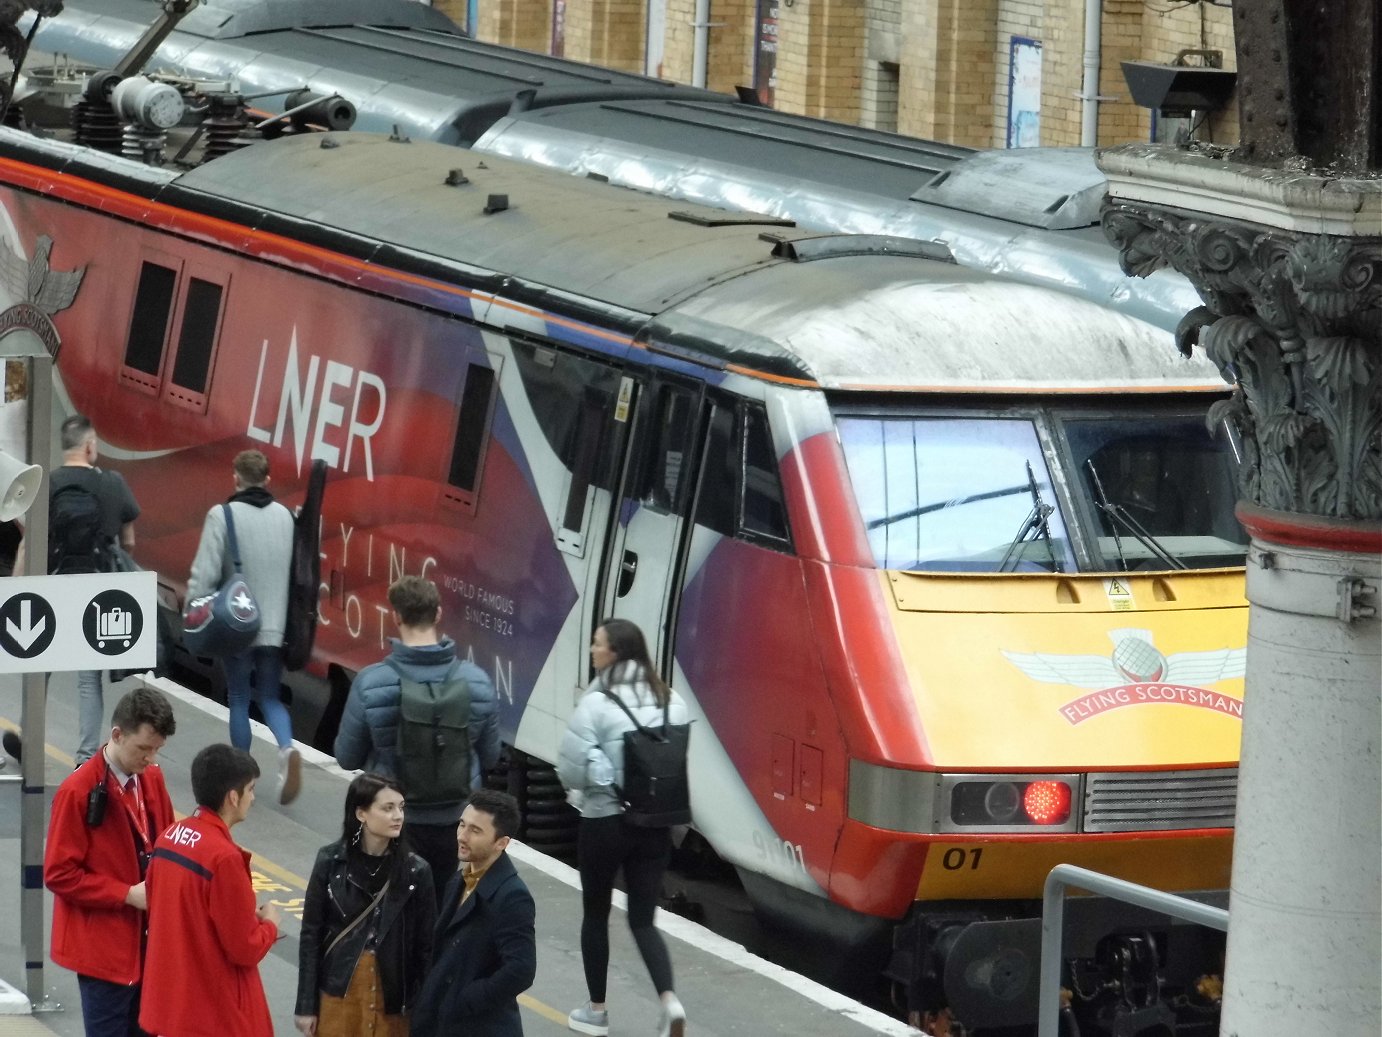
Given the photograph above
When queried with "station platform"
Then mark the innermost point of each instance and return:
(726, 989)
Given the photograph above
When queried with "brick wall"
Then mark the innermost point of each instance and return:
(606, 32)
(820, 58)
(931, 68)
(946, 74)
(526, 24)
(679, 41)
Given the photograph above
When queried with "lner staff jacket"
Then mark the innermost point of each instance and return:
(90, 871)
(205, 940)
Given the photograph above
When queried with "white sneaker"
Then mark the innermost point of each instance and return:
(673, 1022)
(589, 1020)
(289, 775)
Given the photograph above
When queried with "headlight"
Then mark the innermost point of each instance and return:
(1010, 803)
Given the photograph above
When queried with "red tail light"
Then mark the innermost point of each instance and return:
(1047, 802)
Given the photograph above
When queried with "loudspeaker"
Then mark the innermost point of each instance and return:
(19, 484)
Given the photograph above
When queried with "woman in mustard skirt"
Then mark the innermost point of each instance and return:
(367, 922)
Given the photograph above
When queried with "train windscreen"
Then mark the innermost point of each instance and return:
(975, 493)
(959, 494)
(1160, 491)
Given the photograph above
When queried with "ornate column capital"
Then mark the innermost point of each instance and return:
(1289, 265)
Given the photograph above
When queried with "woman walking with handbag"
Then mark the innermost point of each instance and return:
(626, 691)
(367, 923)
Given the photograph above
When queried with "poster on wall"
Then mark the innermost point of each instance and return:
(1024, 92)
(765, 54)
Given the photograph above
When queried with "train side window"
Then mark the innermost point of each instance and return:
(715, 500)
(153, 308)
(762, 513)
(197, 336)
(664, 477)
(584, 453)
(472, 434)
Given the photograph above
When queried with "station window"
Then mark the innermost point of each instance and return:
(472, 433)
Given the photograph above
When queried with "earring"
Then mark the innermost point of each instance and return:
(355, 839)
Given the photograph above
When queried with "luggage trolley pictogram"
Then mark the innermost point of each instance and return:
(113, 625)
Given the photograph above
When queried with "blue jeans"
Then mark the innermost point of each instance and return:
(91, 710)
(109, 1009)
(265, 662)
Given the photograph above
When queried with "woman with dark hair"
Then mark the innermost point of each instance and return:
(591, 766)
(367, 922)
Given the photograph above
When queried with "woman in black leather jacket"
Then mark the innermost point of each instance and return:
(367, 922)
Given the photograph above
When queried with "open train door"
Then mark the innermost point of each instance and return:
(648, 546)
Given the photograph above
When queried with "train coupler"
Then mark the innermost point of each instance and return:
(1119, 989)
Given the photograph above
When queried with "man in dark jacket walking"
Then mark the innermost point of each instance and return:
(368, 735)
(485, 951)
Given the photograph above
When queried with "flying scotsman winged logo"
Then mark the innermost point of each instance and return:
(33, 281)
(31, 291)
(1137, 673)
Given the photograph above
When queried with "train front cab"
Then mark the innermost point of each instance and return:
(1030, 615)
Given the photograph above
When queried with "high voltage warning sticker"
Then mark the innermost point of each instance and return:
(1119, 595)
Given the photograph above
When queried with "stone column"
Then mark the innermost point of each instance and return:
(1289, 265)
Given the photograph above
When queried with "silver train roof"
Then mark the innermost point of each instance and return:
(783, 302)
(1028, 214)
(399, 62)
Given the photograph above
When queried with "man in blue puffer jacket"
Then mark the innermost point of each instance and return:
(368, 736)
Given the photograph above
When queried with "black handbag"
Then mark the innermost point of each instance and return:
(226, 622)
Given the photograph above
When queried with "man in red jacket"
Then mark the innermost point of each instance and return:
(206, 936)
(106, 816)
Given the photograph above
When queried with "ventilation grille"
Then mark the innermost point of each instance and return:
(1122, 801)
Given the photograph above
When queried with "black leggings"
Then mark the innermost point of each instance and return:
(605, 845)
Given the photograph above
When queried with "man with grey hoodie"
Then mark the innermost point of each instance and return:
(264, 535)
(368, 735)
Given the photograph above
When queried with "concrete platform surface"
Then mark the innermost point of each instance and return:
(726, 989)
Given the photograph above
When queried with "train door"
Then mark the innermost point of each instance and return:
(647, 547)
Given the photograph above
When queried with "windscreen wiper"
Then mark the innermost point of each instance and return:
(1119, 514)
(954, 502)
(1034, 526)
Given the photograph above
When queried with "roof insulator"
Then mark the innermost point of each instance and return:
(455, 178)
(496, 203)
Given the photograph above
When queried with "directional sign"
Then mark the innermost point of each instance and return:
(87, 621)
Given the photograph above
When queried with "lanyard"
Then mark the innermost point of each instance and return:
(138, 814)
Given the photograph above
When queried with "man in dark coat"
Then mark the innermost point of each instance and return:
(485, 952)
